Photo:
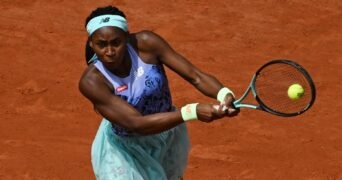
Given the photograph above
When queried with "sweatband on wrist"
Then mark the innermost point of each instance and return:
(106, 20)
(223, 93)
(189, 112)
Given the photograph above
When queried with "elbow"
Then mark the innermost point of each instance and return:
(136, 127)
(141, 130)
(145, 129)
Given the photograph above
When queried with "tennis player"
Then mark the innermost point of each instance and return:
(141, 136)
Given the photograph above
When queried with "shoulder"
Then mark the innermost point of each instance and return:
(92, 82)
(148, 41)
(147, 36)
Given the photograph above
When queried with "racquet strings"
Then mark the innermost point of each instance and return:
(272, 84)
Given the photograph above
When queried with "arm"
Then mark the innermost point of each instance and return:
(205, 83)
(95, 88)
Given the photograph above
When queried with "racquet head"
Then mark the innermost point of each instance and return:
(271, 84)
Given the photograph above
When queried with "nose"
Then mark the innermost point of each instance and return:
(110, 51)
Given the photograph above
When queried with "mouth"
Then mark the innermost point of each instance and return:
(110, 63)
(109, 60)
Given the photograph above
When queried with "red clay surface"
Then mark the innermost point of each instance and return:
(47, 127)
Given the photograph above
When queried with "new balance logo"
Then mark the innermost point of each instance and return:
(138, 73)
(105, 20)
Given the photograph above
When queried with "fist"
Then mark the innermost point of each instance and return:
(210, 112)
(229, 107)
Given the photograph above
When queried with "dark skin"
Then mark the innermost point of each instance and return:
(109, 44)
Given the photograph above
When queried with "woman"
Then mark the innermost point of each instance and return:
(142, 136)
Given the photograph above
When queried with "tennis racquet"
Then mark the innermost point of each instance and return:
(270, 85)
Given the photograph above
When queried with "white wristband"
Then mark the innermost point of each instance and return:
(223, 93)
(189, 112)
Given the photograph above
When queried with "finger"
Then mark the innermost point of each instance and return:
(216, 107)
(228, 100)
(232, 112)
(224, 108)
(218, 111)
(221, 107)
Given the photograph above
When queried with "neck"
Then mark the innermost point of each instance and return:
(125, 69)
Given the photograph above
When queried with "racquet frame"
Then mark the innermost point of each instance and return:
(261, 106)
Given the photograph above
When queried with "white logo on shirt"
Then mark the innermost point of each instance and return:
(139, 72)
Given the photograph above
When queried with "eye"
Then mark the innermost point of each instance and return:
(116, 42)
(101, 44)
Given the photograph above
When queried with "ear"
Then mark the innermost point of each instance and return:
(90, 44)
(127, 36)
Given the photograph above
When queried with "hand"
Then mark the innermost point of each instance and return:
(210, 112)
(229, 107)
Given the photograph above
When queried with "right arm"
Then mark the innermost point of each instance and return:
(96, 89)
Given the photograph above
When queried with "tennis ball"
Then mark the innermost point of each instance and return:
(295, 91)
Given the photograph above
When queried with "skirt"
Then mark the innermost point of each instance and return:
(160, 156)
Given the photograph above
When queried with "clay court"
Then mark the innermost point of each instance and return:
(47, 126)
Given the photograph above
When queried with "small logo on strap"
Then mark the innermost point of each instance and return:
(122, 88)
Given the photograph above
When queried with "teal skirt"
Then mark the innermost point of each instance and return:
(161, 156)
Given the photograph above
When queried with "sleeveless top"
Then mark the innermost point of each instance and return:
(145, 88)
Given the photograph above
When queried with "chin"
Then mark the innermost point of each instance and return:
(109, 61)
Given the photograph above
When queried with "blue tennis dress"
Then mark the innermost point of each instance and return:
(123, 155)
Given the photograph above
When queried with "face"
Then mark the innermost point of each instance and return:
(109, 44)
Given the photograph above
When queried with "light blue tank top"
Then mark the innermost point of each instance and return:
(145, 88)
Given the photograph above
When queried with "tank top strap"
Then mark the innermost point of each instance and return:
(109, 76)
(131, 50)
(136, 60)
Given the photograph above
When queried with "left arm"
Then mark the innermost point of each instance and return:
(205, 83)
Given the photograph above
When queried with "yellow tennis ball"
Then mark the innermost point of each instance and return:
(295, 91)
